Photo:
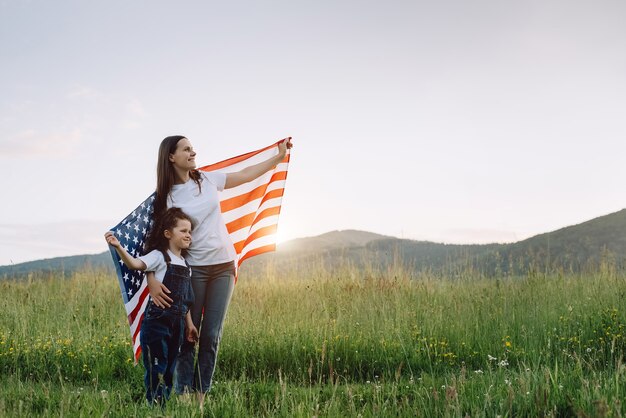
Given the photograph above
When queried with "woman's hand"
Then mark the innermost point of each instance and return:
(158, 292)
(283, 146)
(111, 239)
(191, 332)
(250, 173)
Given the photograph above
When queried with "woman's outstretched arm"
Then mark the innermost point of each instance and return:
(252, 172)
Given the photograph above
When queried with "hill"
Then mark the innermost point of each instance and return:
(331, 240)
(589, 246)
(586, 246)
(65, 266)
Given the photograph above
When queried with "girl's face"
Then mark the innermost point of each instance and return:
(184, 157)
(180, 235)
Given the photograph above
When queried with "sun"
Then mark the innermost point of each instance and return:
(281, 236)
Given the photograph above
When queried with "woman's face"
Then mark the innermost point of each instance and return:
(184, 157)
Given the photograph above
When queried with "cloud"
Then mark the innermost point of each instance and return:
(135, 108)
(83, 92)
(32, 143)
(136, 114)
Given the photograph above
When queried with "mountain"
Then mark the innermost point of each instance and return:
(600, 242)
(331, 240)
(588, 246)
(65, 266)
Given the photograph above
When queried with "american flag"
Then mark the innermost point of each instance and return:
(250, 212)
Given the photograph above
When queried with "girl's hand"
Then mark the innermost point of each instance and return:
(191, 332)
(111, 239)
(284, 146)
(158, 292)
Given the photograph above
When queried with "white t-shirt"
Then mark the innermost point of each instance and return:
(156, 262)
(211, 243)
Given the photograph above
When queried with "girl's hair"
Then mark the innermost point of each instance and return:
(166, 176)
(156, 237)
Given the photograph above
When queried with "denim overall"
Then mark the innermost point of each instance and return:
(163, 332)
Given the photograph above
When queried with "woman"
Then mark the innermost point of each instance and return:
(211, 254)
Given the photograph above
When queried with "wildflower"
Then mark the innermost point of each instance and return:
(491, 358)
(507, 381)
(503, 363)
(478, 371)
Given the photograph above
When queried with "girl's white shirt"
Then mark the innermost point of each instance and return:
(211, 243)
(156, 262)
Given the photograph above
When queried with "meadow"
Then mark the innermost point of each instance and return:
(335, 342)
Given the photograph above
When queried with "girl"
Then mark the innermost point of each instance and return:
(162, 329)
(211, 255)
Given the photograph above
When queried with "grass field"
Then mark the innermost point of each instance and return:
(335, 343)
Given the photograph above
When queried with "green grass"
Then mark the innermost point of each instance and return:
(335, 343)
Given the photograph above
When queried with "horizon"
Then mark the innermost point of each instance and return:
(278, 244)
(450, 122)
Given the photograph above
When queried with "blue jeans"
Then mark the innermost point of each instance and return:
(213, 288)
(161, 337)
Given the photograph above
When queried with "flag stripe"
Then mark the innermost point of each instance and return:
(251, 219)
(238, 201)
(267, 230)
(238, 235)
(252, 160)
(269, 195)
(242, 234)
(234, 160)
(257, 251)
(261, 232)
(250, 186)
(255, 205)
(140, 306)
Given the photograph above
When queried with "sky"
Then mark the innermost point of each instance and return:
(452, 121)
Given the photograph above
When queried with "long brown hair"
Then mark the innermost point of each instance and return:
(166, 176)
(156, 238)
